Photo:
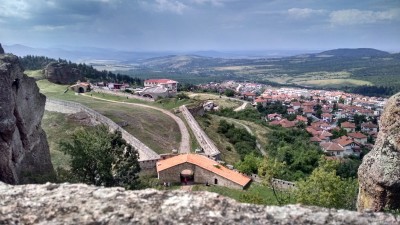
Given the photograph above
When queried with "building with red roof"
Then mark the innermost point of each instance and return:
(349, 127)
(358, 137)
(199, 169)
(171, 85)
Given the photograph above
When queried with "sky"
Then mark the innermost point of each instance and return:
(186, 25)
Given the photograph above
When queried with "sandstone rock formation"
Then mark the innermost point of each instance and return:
(82, 204)
(379, 173)
(24, 152)
(62, 73)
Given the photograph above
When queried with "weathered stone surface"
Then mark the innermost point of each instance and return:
(62, 73)
(82, 204)
(1, 49)
(379, 173)
(24, 152)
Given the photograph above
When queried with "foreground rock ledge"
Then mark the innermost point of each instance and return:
(83, 204)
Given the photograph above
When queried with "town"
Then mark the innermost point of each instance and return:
(341, 123)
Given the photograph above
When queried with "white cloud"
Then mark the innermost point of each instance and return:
(355, 16)
(15, 8)
(173, 6)
(302, 13)
(212, 2)
(47, 28)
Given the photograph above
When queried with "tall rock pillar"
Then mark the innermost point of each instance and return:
(379, 173)
(24, 151)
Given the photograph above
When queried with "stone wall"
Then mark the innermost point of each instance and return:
(148, 157)
(83, 204)
(204, 141)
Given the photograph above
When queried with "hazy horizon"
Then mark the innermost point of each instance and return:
(202, 25)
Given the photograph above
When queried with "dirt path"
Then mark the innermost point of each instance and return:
(185, 139)
(243, 106)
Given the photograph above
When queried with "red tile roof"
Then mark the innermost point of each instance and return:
(331, 146)
(205, 163)
(343, 140)
(348, 125)
(357, 135)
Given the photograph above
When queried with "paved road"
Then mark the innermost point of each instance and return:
(262, 150)
(185, 139)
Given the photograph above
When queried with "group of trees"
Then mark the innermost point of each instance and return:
(243, 142)
(292, 147)
(100, 157)
(327, 189)
(40, 62)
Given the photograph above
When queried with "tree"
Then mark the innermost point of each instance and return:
(102, 158)
(229, 92)
(249, 165)
(339, 133)
(326, 189)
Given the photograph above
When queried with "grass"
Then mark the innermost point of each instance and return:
(37, 74)
(210, 126)
(222, 102)
(263, 194)
(334, 83)
(152, 127)
(58, 127)
(259, 131)
(193, 141)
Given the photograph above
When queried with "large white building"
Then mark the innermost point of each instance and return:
(171, 85)
(155, 88)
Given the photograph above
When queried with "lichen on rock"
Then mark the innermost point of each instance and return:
(83, 204)
(379, 173)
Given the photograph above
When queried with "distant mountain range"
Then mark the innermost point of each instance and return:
(88, 53)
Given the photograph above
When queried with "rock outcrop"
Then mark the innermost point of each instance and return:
(379, 173)
(62, 73)
(82, 204)
(24, 152)
(1, 50)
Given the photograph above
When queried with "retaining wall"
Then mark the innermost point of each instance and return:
(147, 157)
(205, 142)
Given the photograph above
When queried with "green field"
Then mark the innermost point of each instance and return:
(37, 74)
(210, 126)
(222, 102)
(152, 127)
(58, 127)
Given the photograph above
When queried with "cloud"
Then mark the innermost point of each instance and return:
(212, 2)
(302, 13)
(15, 9)
(355, 16)
(172, 6)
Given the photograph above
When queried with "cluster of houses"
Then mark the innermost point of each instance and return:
(305, 109)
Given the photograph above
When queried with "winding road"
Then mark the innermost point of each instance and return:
(184, 146)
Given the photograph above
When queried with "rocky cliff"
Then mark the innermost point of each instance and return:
(82, 204)
(62, 73)
(24, 152)
(1, 50)
(379, 173)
